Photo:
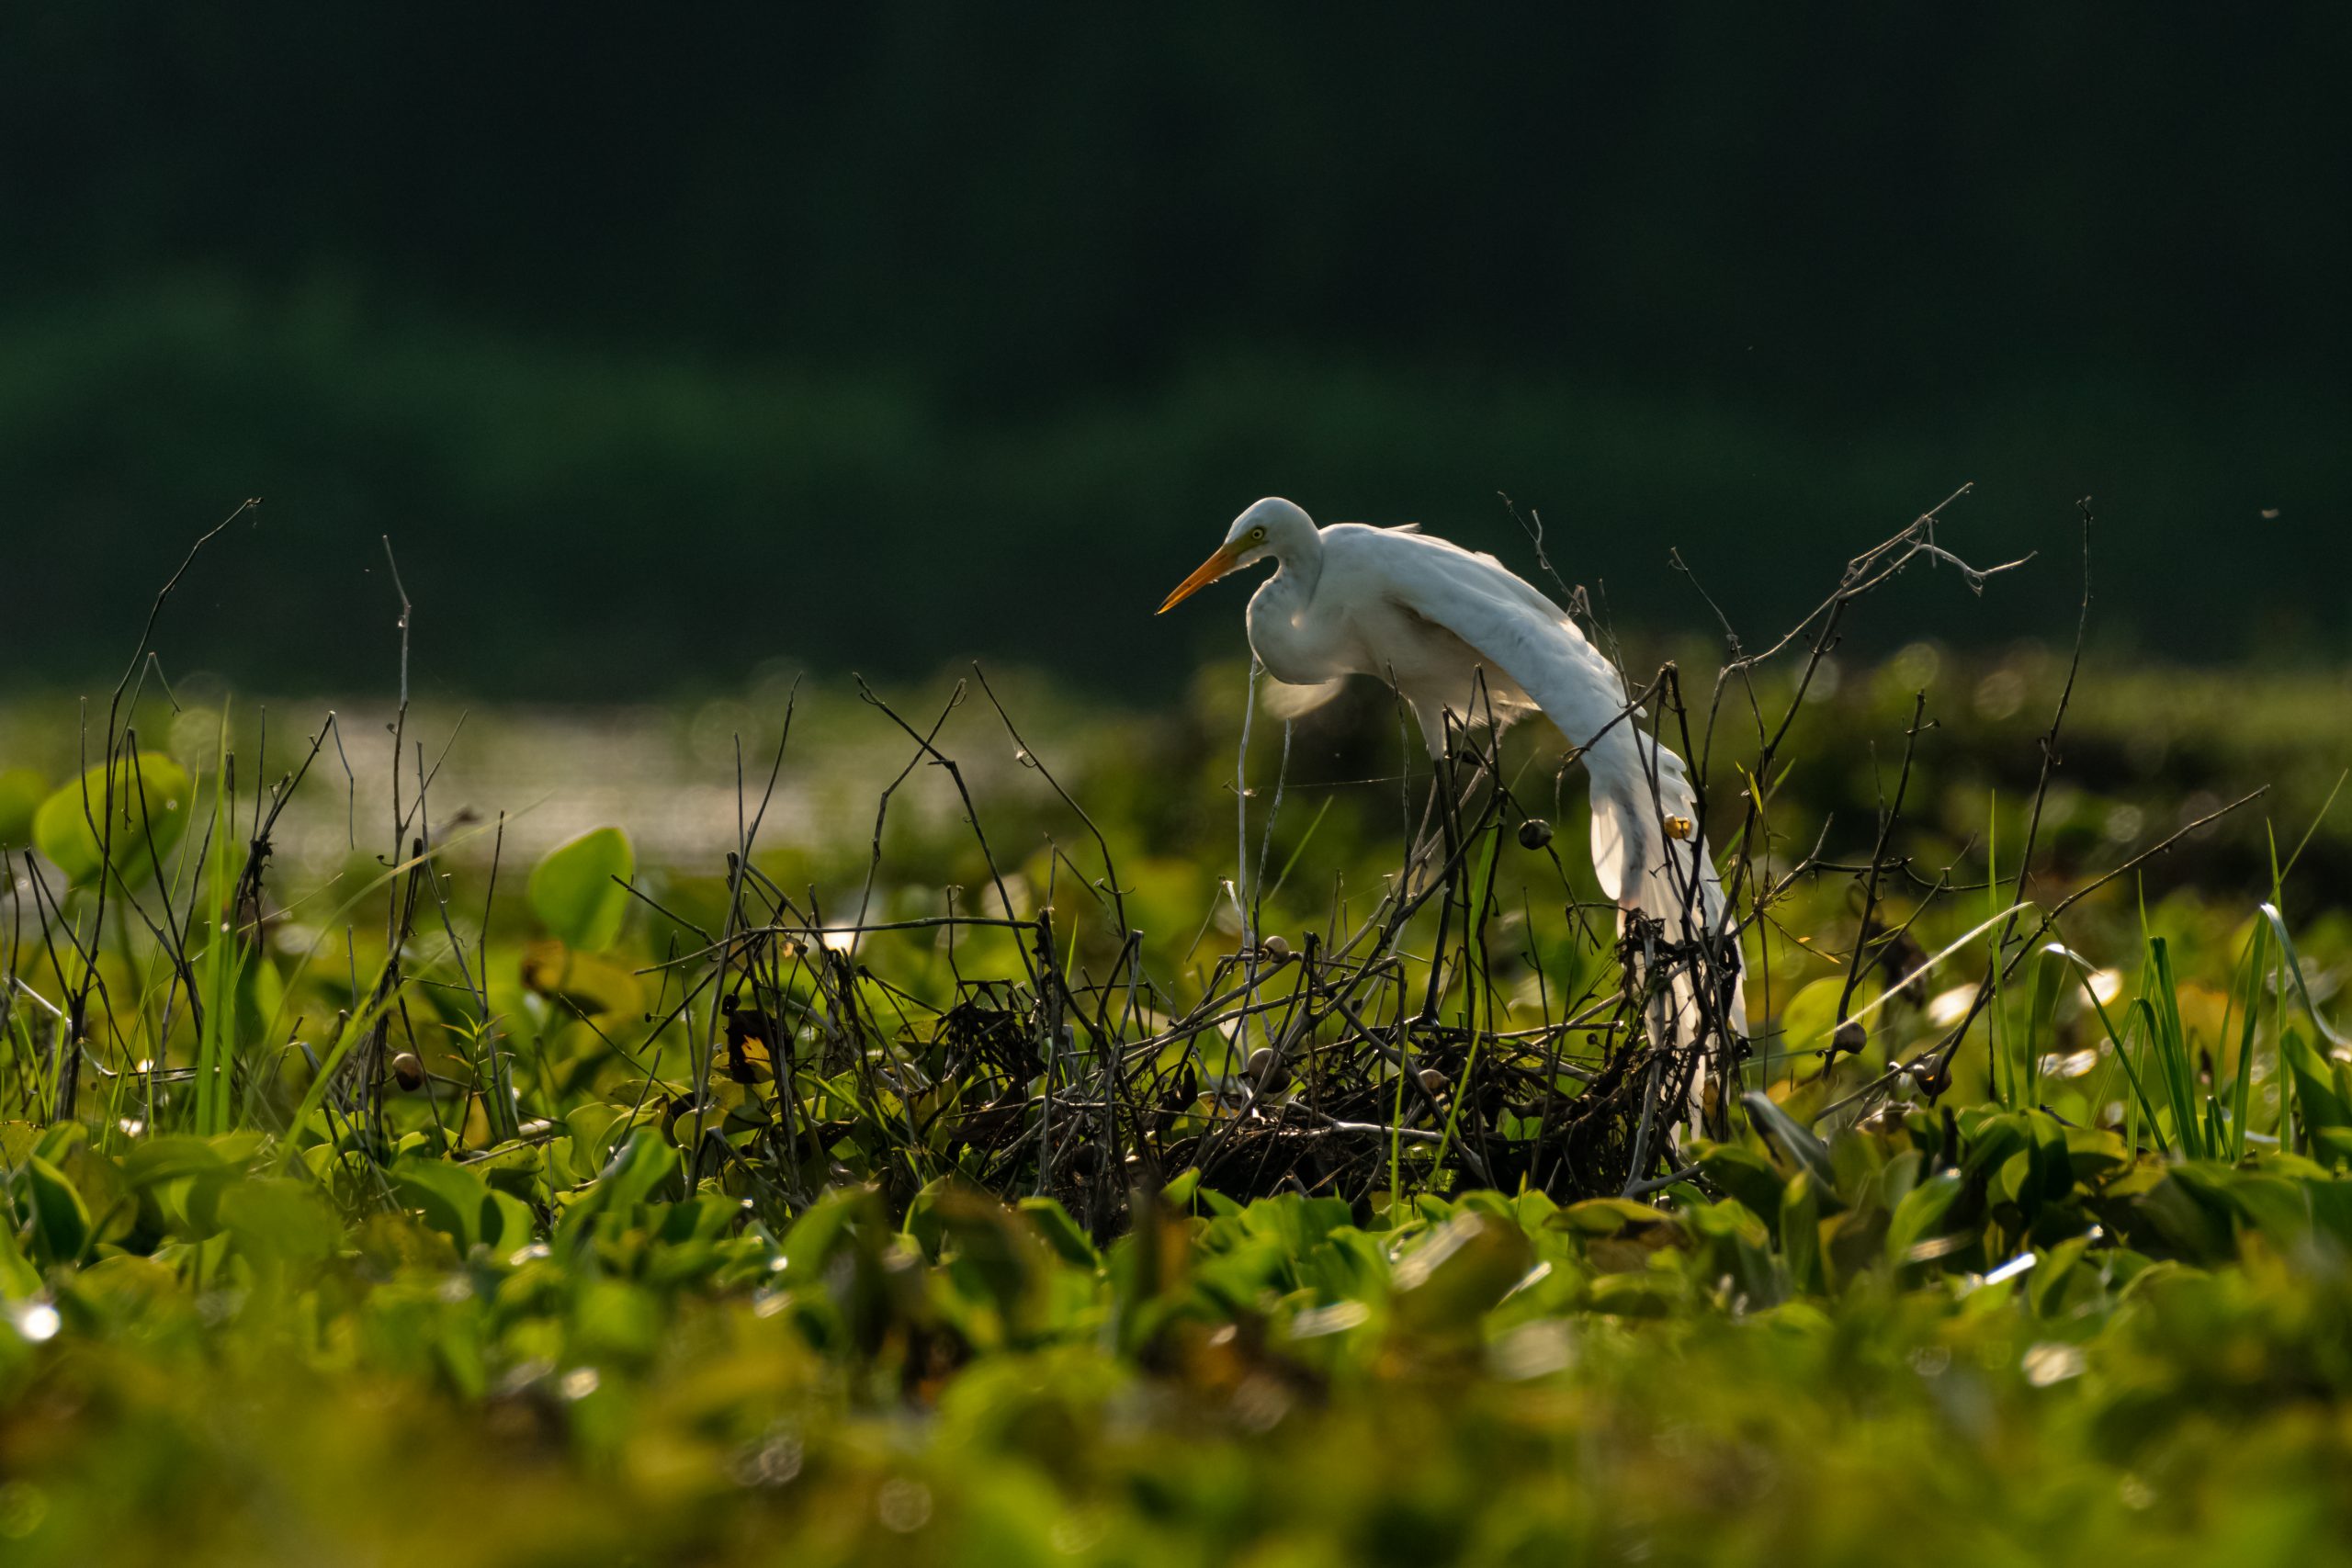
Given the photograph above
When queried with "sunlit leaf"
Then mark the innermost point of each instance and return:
(1919, 1218)
(452, 1197)
(1459, 1272)
(573, 892)
(21, 793)
(581, 983)
(1060, 1232)
(141, 819)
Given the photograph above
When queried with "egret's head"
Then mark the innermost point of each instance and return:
(1270, 527)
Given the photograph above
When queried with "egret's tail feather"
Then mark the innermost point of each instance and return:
(1653, 860)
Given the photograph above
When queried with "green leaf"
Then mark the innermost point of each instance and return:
(572, 891)
(1992, 1142)
(1459, 1272)
(2190, 1218)
(1745, 1176)
(2053, 1164)
(21, 793)
(1060, 1232)
(141, 819)
(1801, 1231)
(1179, 1191)
(19, 1278)
(924, 1224)
(831, 1222)
(595, 1128)
(1609, 1217)
(993, 1254)
(613, 1319)
(452, 1197)
(1919, 1218)
(2324, 1110)
(169, 1157)
(1808, 1153)
(636, 1168)
(2295, 968)
(277, 1224)
(61, 1220)
(641, 1165)
(508, 1222)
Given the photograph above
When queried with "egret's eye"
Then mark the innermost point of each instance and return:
(1258, 533)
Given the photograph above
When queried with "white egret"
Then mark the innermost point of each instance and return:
(1457, 633)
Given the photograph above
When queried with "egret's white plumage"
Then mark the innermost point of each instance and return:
(1459, 633)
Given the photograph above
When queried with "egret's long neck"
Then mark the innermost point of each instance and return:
(1298, 567)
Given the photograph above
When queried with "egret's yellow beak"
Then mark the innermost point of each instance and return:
(1227, 556)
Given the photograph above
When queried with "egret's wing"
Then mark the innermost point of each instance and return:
(1645, 848)
(1502, 618)
(1283, 701)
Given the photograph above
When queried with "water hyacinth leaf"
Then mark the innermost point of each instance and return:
(1857, 1160)
(2319, 1098)
(19, 1277)
(1801, 1231)
(1897, 1180)
(515, 1167)
(278, 1223)
(169, 1157)
(2331, 1204)
(507, 1221)
(583, 984)
(21, 793)
(642, 1164)
(1795, 1140)
(1611, 1216)
(925, 1226)
(1150, 1269)
(61, 1220)
(1814, 1014)
(1458, 1273)
(60, 1142)
(595, 1128)
(1733, 1243)
(1991, 1143)
(815, 1236)
(615, 1319)
(992, 1254)
(1919, 1219)
(164, 1173)
(451, 1198)
(572, 891)
(2279, 1208)
(140, 821)
(2047, 1287)
(1060, 1232)
(1298, 1225)
(1638, 1295)
(2051, 1167)
(2191, 1219)
(2096, 1153)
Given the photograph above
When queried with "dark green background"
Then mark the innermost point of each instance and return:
(664, 343)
